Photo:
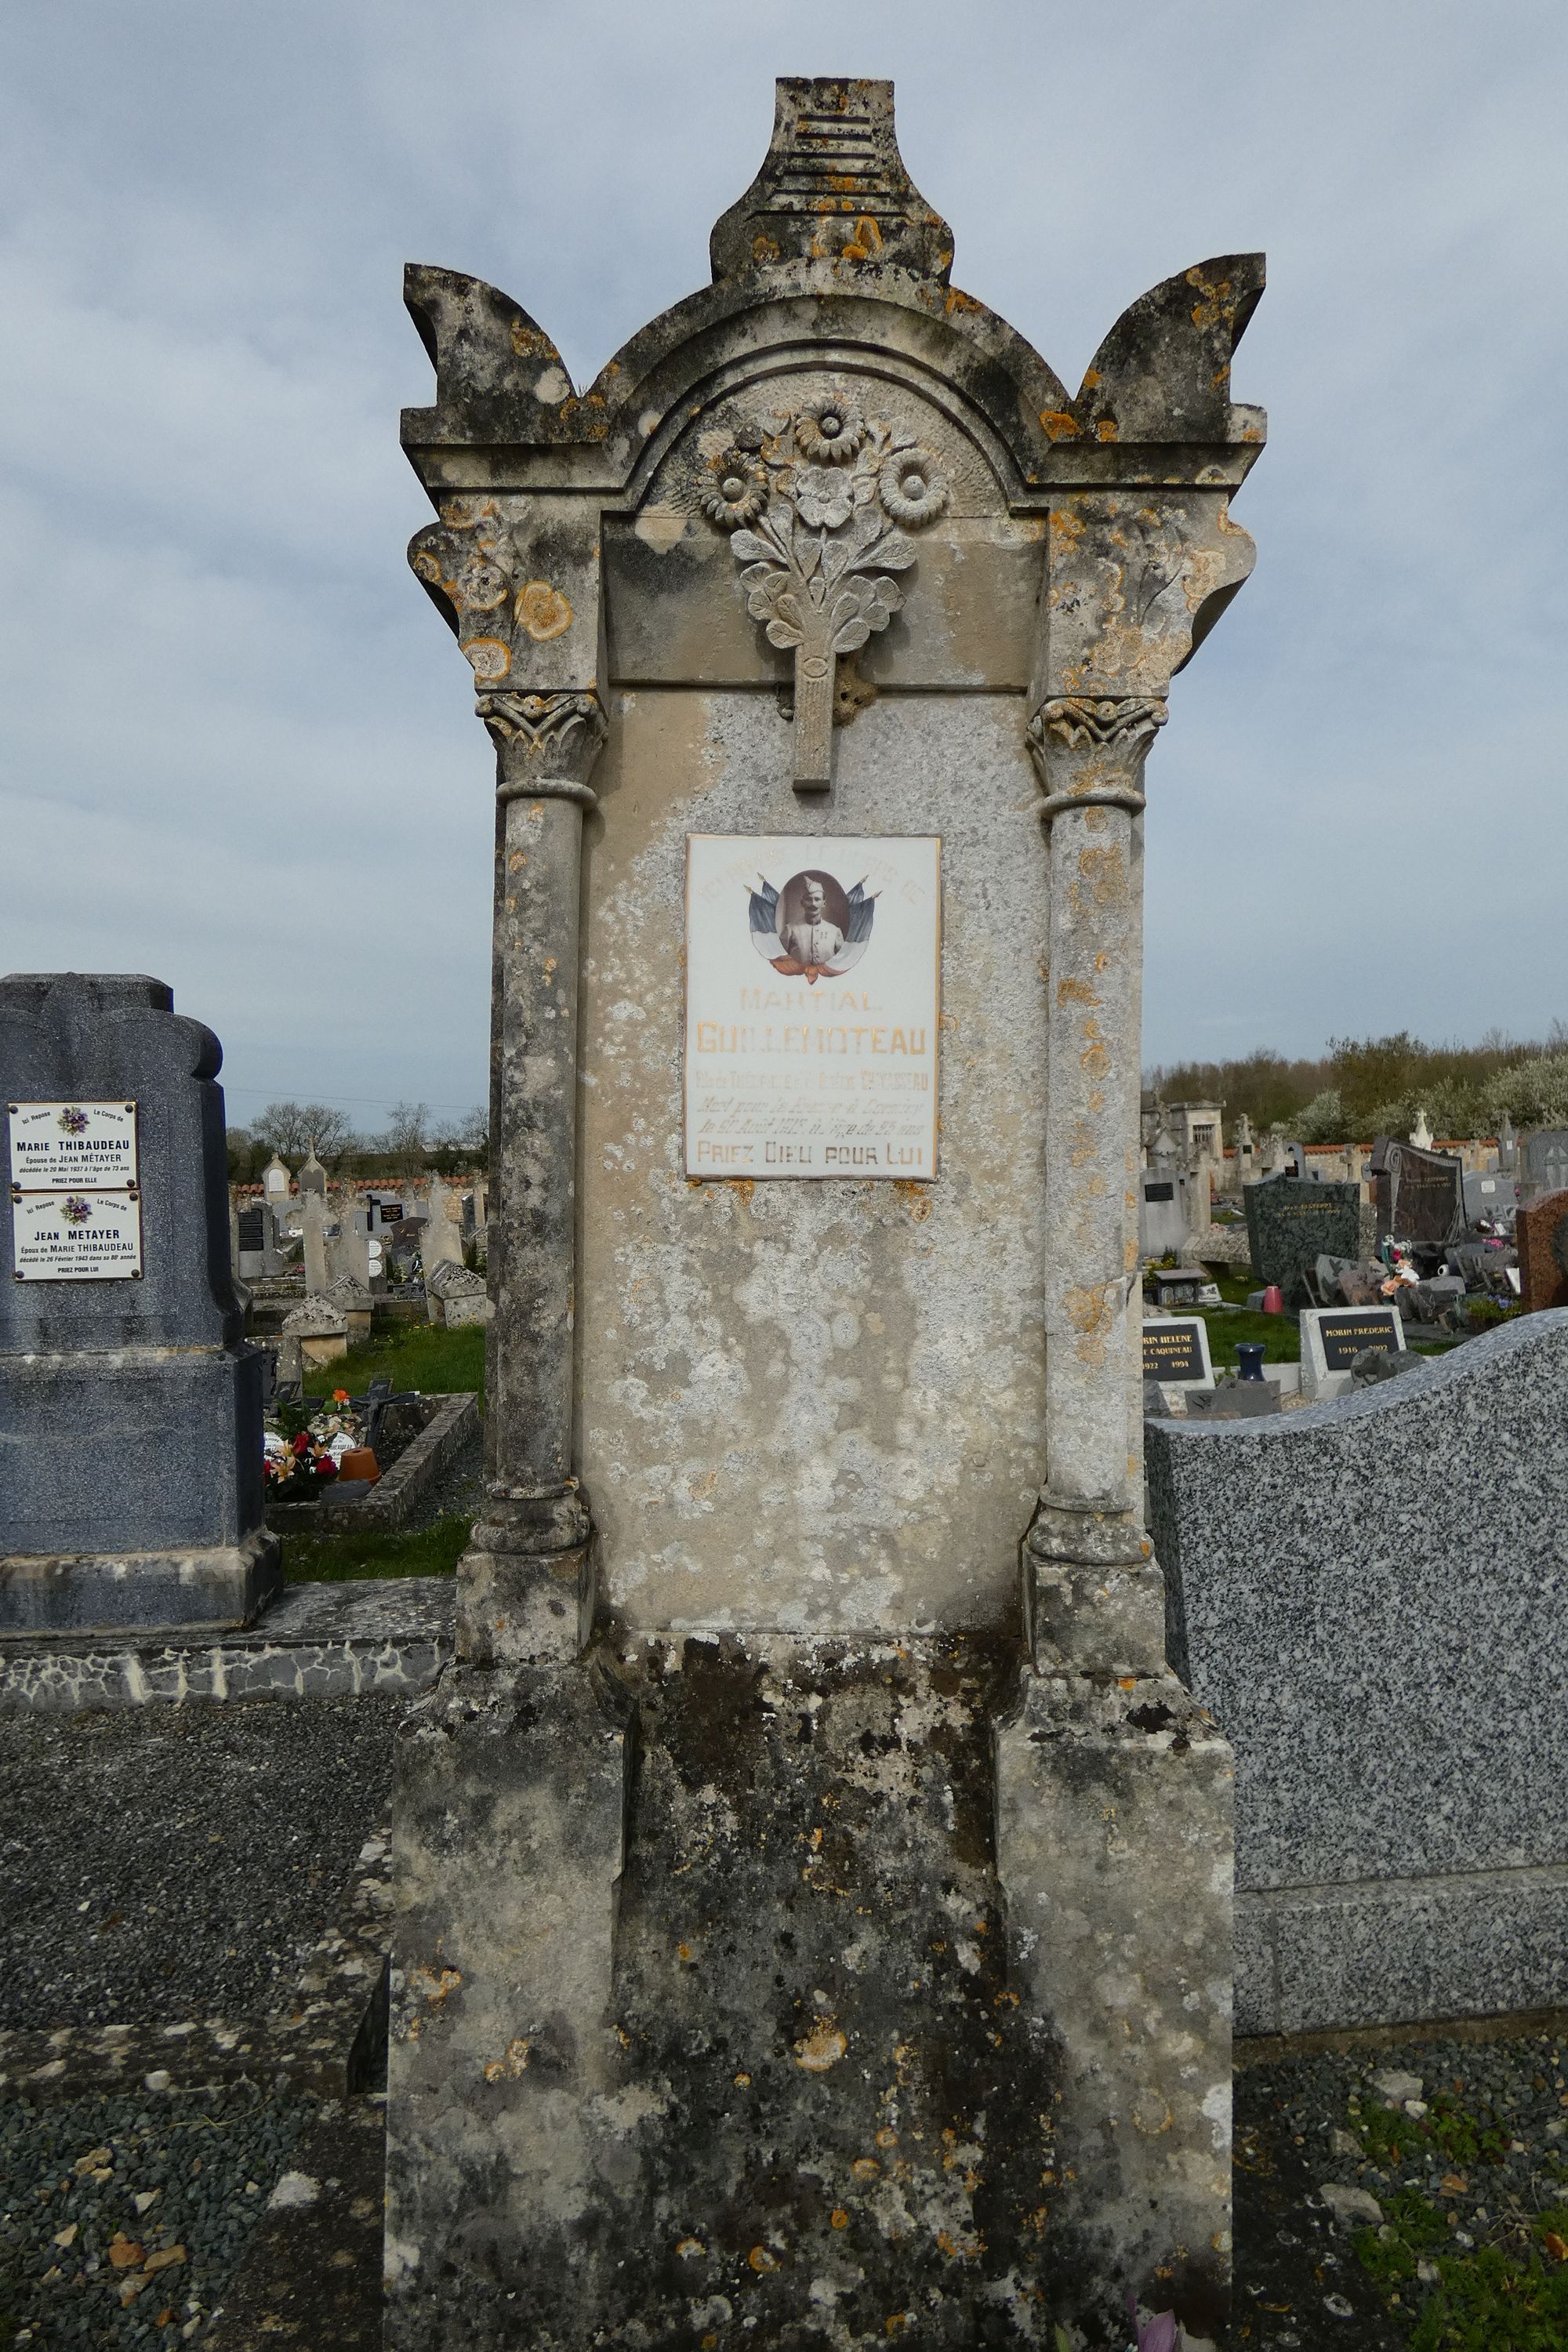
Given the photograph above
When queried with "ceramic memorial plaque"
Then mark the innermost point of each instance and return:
(812, 978)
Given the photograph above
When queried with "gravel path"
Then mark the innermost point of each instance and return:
(1452, 2190)
(161, 1862)
(121, 2220)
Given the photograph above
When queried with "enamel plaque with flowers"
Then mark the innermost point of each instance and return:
(820, 504)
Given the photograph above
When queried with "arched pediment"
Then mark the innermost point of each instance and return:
(863, 270)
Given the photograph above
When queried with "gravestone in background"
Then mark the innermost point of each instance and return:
(1333, 1337)
(1540, 1237)
(1544, 1155)
(1420, 1196)
(1162, 1213)
(1176, 1348)
(1291, 1222)
(129, 1402)
(791, 1945)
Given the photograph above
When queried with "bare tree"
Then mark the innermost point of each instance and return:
(469, 1133)
(289, 1129)
(407, 1136)
(281, 1127)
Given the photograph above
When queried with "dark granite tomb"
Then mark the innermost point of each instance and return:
(129, 1403)
(1291, 1222)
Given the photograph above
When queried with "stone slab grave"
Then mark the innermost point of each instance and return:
(807, 1926)
(1333, 1337)
(129, 1401)
(1369, 1595)
(1293, 1221)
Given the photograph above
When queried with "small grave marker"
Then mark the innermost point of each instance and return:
(1176, 1348)
(1333, 1337)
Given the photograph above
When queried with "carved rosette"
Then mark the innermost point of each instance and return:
(1089, 750)
(819, 503)
(545, 744)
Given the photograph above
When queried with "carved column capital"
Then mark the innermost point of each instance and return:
(546, 744)
(1089, 750)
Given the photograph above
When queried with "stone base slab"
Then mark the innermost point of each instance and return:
(63, 1595)
(321, 1641)
(1401, 1951)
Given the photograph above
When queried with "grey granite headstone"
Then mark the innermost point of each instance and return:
(1291, 1222)
(1546, 1163)
(1370, 1596)
(129, 1408)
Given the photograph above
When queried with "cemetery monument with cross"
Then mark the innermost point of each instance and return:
(813, 1913)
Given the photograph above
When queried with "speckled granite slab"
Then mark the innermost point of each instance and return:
(1368, 1594)
(321, 1641)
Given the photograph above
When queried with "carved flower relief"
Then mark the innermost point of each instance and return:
(828, 429)
(912, 488)
(740, 490)
(823, 498)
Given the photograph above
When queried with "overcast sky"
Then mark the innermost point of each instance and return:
(238, 748)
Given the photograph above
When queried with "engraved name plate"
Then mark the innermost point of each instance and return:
(57, 1145)
(812, 998)
(77, 1236)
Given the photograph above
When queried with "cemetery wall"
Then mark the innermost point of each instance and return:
(1369, 1595)
(844, 1376)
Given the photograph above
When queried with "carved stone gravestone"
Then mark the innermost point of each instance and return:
(807, 1929)
(129, 1401)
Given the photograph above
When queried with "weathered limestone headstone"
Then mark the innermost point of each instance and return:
(797, 1938)
(275, 1183)
(441, 1243)
(312, 1175)
(131, 1495)
(313, 1219)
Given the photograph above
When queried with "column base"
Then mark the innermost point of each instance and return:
(1093, 1594)
(1114, 1851)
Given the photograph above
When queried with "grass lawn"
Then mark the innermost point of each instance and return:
(413, 1356)
(423, 1552)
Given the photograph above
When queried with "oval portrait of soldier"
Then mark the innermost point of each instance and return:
(813, 928)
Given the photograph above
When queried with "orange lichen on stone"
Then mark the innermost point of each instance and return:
(1059, 425)
(543, 611)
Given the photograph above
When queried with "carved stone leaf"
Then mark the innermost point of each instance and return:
(894, 552)
(860, 607)
(747, 547)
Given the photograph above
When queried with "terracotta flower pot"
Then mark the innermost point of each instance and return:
(359, 1461)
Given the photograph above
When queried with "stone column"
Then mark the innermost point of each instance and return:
(534, 1517)
(1089, 753)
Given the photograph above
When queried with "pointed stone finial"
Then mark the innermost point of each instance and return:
(833, 188)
